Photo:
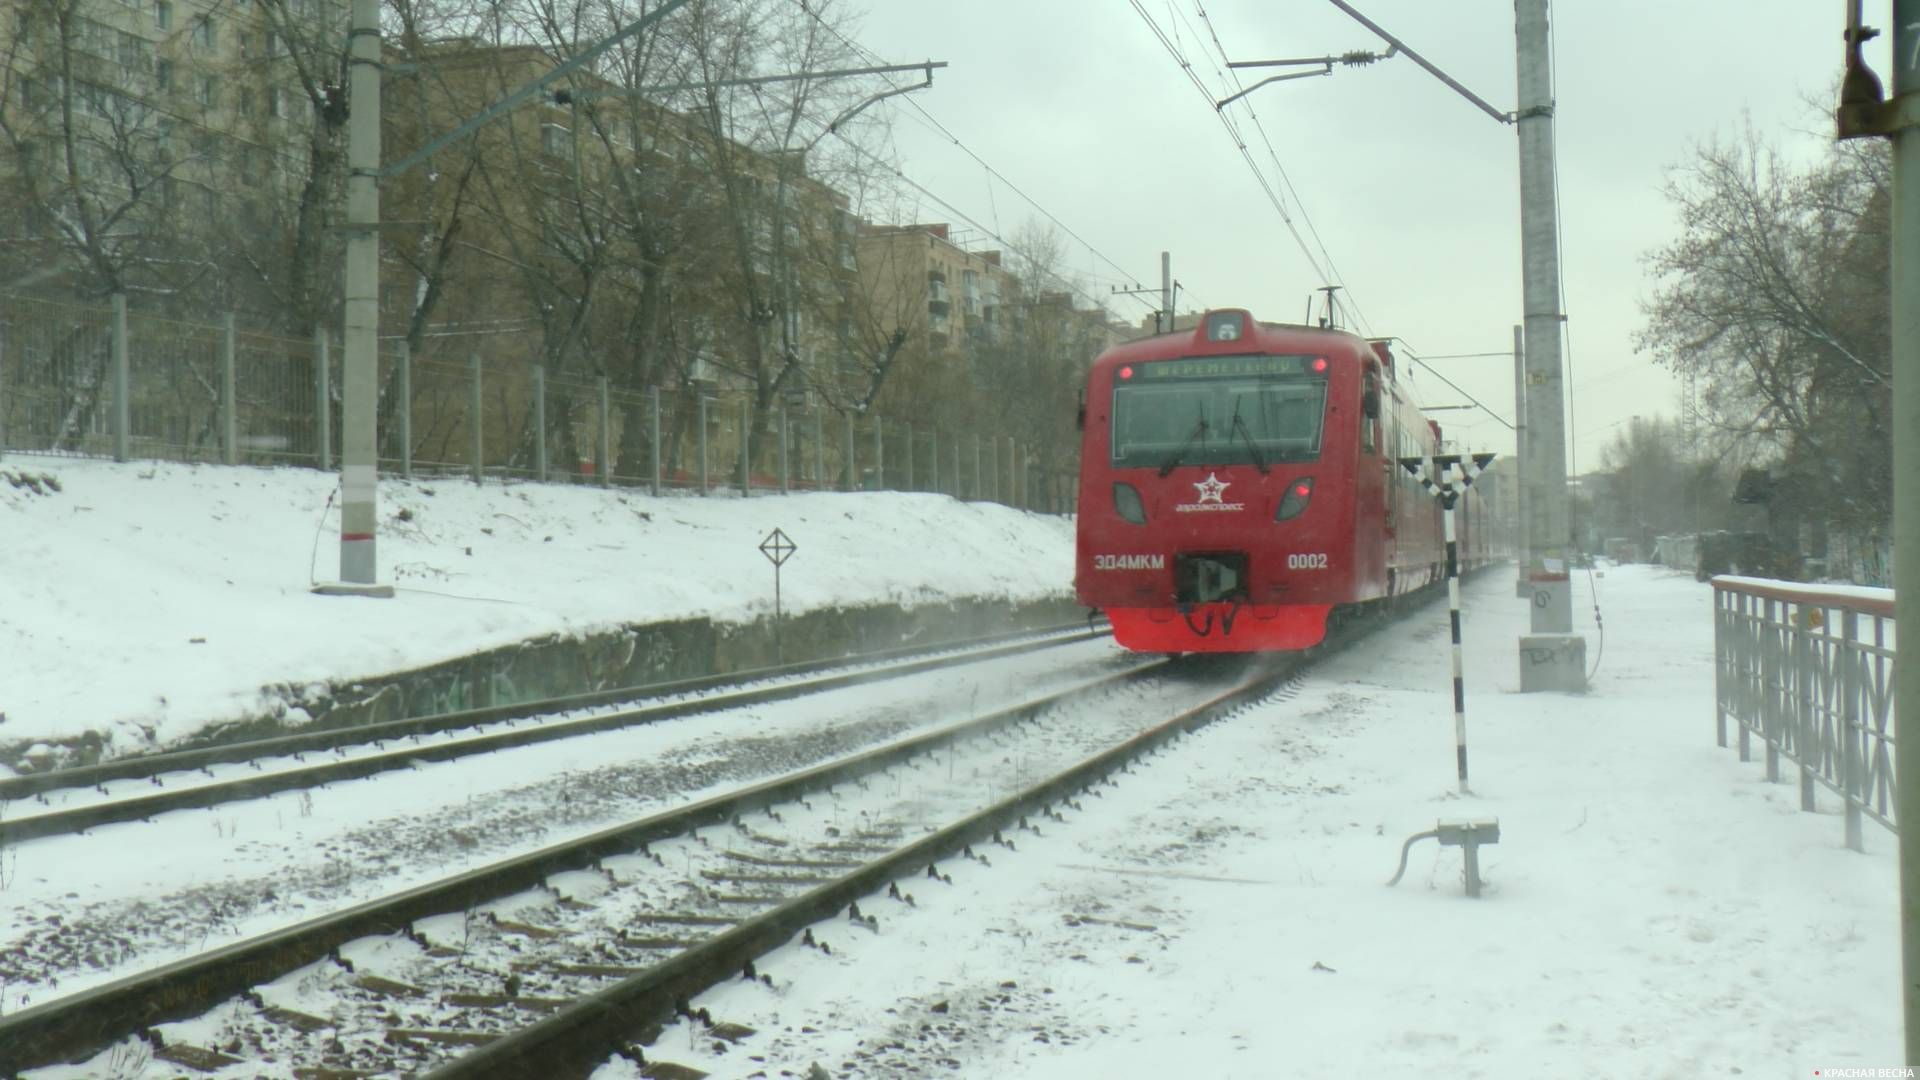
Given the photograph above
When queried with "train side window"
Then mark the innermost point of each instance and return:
(1370, 415)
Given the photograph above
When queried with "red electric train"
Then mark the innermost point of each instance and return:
(1239, 485)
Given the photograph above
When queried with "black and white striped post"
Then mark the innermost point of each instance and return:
(1438, 472)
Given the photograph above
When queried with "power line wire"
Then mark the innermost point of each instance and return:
(992, 173)
(1416, 358)
(1092, 299)
(1286, 180)
(1233, 133)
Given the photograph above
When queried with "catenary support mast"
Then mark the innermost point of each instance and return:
(1865, 112)
(1906, 484)
(1552, 657)
(360, 352)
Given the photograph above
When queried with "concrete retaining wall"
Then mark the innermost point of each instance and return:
(635, 655)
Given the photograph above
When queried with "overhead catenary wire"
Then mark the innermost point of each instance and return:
(1246, 154)
(1287, 181)
(1416, 358)
(1093, 300)
(993, 174)
(1233, 133)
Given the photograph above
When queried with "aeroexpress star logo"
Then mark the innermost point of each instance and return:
(1210, 497)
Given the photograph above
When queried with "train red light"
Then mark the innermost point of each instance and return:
(1294, 502)
(1126, 372)
(1319, 364)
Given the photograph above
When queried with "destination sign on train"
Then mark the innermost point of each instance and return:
(1225, 366)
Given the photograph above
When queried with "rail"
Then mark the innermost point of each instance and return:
(485, 734)
(71, 1027)
(1810, 672)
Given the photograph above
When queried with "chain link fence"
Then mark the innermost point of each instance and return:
(105, 382)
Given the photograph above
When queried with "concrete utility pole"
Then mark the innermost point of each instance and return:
(1906, 484)
(360, 353)
(1552, 657)
(360, 356)
(1522, 587)
(1865, 112)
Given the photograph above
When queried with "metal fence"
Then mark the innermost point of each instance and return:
(92, 381)
(1810, 672)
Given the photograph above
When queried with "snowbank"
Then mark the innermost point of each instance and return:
(141, 602)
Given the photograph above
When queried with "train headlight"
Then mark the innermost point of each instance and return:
(1299, 493)
(1127, 501)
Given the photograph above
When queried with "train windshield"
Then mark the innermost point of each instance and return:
(1218, 410)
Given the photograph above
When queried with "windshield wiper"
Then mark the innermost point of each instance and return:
(1239, 427)
(1173, 461)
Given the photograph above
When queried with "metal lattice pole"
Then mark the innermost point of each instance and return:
(993, 465)
(849, 470)
(404, 407)
(475, 402)
(229, 423)
(121, 431)
(819, 450)
(323, 397)
(540, 422)
(746, 447)
(653, 437)
(606, 432)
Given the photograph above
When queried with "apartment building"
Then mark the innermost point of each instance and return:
(915, 279)
(133, 124)
(621, 235)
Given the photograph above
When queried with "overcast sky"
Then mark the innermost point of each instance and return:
(1412, 190)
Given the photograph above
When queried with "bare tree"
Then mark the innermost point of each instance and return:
(1775, 297)
(96, 160)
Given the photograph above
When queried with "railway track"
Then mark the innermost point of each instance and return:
(72, 800)
(549, 963)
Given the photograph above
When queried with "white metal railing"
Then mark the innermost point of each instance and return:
(1811, 672)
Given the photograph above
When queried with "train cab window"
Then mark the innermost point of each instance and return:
(1230, 410)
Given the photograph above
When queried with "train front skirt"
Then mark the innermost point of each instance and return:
(1220, 627)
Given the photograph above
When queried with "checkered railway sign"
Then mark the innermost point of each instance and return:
(1440, 473)
(778, 548)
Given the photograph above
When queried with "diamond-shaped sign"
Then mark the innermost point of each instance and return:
(777, 547)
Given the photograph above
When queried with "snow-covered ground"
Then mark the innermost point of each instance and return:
(145, 601)
(1654, 908)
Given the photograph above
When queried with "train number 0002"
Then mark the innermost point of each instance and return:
(1310, 561)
